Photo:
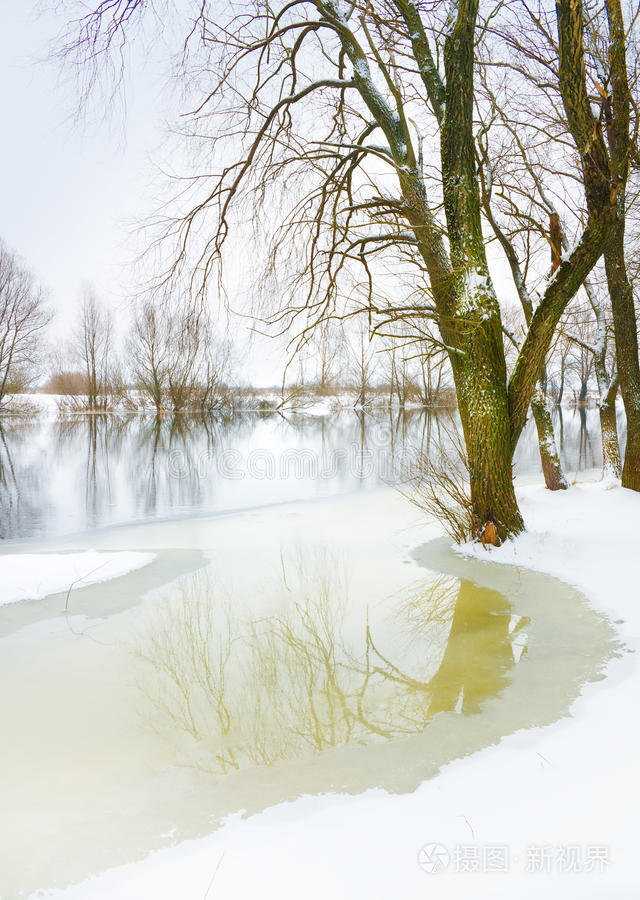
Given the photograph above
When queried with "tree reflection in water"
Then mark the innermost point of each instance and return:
(20, 479)
(65, 475)
(252, 691)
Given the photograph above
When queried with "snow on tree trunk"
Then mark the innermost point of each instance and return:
(554, 477)
(611, 464)
(607, 391)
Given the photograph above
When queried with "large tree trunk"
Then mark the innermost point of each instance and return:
(610, 446)
(482, 398)
(491, 478)
(607, 392)
(624, 316)
(626, 336)
(477, 354)
(554, 477)
(468, 315)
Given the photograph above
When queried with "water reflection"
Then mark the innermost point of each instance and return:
(23, 480)
(287, 687)
(65, 475)
(251, 692)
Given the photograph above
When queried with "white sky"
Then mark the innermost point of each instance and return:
(73, 190)
(67, 188)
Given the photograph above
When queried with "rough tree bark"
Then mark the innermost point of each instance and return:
(626, 338)
(617, 113)
(598, 169)
(554, 477)
(478, 362)
(611, 462)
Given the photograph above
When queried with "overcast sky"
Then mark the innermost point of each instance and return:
(73, 190)
(68, 188)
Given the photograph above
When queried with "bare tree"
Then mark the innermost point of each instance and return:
(582, 345)
(417, 362)
(581, 364)
(93, 347)
(616, 108)
(328, 343)
(176, 359)
(559, 362)
(23, 320)
(361, 360)
(326, 94)
(215, 370)
(393, 368)
(148, 352)
(489, 183)
(589, 329)
(186, 336)
(432, 374)
(605, 103)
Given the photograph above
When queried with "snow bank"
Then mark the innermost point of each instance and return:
(588, 537)
(31, 576)
(548, 812)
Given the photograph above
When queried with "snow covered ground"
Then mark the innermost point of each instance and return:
(304, 402)
(547, 812)
(33, 404)
(32, 576)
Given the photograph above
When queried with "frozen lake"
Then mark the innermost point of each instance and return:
(290, 649)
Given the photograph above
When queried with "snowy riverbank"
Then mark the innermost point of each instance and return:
(32, 576)
(309, 402)
(544, 811)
